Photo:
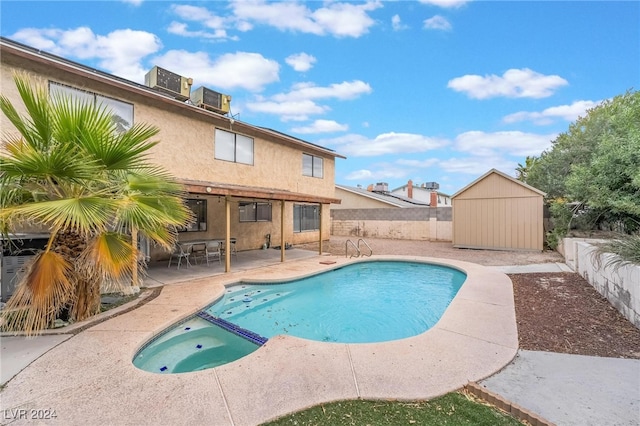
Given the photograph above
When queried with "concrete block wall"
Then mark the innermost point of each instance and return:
(420, 223)
(619, 285)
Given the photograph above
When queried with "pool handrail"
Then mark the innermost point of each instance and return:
(368, 246)
(346, 249)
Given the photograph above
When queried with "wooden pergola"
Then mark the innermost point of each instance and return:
(239, 192)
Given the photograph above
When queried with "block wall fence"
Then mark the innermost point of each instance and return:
(419, 223)
(619, 285)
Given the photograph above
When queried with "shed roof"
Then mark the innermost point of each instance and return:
(503, 175)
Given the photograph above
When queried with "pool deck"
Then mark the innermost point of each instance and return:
(89, 378)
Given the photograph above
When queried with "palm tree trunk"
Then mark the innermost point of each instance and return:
(86, 299)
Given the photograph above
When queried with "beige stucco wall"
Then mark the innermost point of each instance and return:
(186, 150)
(497, 213)
(249, 235)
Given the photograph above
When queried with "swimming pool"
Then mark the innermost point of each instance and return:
(365, 302)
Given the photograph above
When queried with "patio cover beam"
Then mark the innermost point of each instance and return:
(249, 192)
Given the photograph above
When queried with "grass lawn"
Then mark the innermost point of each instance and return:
(451, 409)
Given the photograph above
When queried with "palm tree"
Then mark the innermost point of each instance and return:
(522, 172)
(69, 169)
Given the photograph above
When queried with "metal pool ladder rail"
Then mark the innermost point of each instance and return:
(358, 252)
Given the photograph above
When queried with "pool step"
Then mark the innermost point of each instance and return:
(249, 335)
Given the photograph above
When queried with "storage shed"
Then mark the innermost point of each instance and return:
(498, 212)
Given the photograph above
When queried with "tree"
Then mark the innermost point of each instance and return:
(70, 170)
(610, 179)
(522, 171)
(596, 163)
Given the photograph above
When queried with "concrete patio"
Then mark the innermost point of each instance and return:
(89, 378)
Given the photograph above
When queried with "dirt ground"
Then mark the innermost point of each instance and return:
(556, 312)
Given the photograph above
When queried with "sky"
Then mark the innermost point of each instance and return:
(429, 90)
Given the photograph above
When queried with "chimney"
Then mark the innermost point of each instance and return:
(433, 202)
(410, 189)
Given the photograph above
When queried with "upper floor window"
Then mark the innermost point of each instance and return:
(122, 111)
(255, 212)
(230, 146)
(312, 165)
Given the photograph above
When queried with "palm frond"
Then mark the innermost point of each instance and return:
(36, 129)
(127, 150)
(111, 255)
(626, 250)
(40, 295)
(85, 214)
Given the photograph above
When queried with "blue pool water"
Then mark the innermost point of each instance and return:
(364, 302)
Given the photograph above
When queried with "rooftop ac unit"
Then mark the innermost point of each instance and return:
(168, 82)
(432, 185)
(211, 100)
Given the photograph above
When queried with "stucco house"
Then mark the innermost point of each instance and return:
(426, 192)
(243, 181)
(378, 196)
(378, 213)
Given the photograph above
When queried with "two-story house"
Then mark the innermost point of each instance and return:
(243, 181)
(426, 192)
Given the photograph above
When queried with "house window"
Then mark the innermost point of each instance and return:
(306, 218)
(312, 165)
(230, 146)
(255, 212)
(199, 209)
(122, 111)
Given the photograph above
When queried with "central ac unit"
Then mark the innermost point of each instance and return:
(168, 82)
(211, 100)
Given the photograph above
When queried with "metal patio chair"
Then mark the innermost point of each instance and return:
(180, 253)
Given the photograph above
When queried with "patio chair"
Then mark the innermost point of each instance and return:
(180, 253)
(198, 251)
(232, 248)
(212, 250)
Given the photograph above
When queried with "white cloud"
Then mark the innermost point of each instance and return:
(445, 3)
(299, 103)
(215, 25)
(120, 52)
(437, 22)
(384, 144)
(298, 110)
(379, 173)
(181, 29)
(250, 71)
(337, 19)
(418, 164)
(133, 2)
(516, 143)
(396, 23)
(477, 165)
(321, 126)
(514, 83)
(301, 61)
(362, 174)
(343, 91)
(565, 112)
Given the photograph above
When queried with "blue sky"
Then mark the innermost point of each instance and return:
(430, 90)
